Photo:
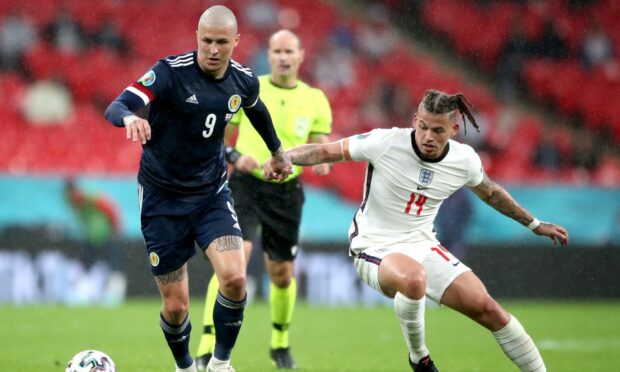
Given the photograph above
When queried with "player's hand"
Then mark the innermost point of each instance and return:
(246, 164)
(322, 169)
(556, 233)
(278, 167)
(137, 129)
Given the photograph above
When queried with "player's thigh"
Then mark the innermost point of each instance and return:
(174, 287)
(387, 279)
(227, 257)
(466, 294)
(169, 242)
(215, 220)
(442, 269)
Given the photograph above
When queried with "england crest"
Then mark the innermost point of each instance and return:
(426, 177)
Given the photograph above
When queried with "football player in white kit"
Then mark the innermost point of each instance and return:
(392, 240)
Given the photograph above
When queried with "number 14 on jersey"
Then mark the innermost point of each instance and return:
(418, 200)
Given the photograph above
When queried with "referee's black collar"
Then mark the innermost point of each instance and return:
(280, 86)
(422, 157)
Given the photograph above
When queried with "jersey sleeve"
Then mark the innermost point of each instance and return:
(369, 146)
(253, 92)
(152, 84)
(323, 121)
(475, 171)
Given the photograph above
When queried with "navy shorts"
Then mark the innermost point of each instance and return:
(172, 228)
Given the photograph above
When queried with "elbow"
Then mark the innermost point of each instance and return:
(108, 113)
(113, 114)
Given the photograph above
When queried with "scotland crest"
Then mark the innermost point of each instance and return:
(426, 177)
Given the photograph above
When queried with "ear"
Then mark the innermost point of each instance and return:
(414, 122)
(455, 129)
(302, 55)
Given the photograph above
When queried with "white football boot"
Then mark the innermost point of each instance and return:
(216, 365)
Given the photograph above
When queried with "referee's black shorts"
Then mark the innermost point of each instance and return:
(269, 210)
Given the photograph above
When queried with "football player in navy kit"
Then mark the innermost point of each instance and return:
(182, 180)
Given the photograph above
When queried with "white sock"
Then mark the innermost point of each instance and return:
(519, 347)
(410, 313)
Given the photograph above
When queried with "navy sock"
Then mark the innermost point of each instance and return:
(177, 337)
(227, 319)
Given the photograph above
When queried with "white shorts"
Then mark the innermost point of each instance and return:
(440, 265)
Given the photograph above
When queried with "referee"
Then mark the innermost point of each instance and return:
(266, 210)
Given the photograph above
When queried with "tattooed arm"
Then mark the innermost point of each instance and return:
(498, 198)
(314, 153)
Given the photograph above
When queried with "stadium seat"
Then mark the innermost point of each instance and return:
(102, 149)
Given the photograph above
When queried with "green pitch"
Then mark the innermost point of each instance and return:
(572, 336)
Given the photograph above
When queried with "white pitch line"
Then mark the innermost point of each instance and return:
(585, 345)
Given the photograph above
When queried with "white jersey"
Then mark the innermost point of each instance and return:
(403, 193)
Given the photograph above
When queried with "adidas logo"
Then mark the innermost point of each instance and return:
(234, 324)
(180, 339)
(192, 99)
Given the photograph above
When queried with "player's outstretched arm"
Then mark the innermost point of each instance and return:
(317, 153)
(324, 168)
(498, 198)
(311, 154)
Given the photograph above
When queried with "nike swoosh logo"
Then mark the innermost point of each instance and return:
(456, 264)
(422, 188)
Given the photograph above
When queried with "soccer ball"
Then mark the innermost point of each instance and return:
(91, 361)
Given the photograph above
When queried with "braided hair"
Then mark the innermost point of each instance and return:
(436, 102)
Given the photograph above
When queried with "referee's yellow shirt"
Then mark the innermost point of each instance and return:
(296, 113)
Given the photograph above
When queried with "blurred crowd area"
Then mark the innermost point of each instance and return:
(63, 61)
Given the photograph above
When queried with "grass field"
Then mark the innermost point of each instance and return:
(572, 336)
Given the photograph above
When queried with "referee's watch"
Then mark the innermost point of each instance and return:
(231, 154)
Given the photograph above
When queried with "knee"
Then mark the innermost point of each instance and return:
(281, 276)
(414, 284)
(490, 314)
(281, 281)
(233, 285)
(175, 310)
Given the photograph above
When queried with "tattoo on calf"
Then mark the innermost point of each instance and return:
(228, 243)
(175, 276)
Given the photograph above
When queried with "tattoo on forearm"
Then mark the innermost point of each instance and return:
(501, 200)
(307, 155)
(175, 276)
(228, 243)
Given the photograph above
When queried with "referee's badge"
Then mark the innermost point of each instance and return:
(426, 177)
(234, 102)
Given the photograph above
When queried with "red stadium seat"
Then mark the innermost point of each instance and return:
(152, 33)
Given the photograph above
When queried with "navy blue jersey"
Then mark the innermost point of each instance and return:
(188, 113)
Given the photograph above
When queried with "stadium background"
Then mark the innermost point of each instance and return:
(544, 78)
